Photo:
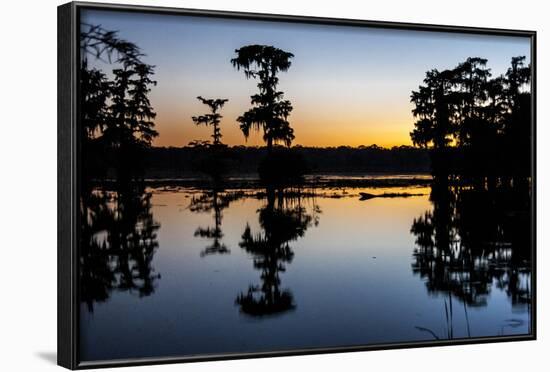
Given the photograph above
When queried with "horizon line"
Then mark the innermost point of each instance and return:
(371, 146)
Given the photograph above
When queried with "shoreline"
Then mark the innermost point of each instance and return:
(310, 181)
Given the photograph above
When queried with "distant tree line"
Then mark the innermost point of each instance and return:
(165, 162)
(475, 125)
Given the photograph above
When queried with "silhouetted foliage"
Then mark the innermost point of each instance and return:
(118, 233)
(213, 158)
(476, 126)
(213, 118)
(433, 108)
(269, 112)
(101, 43)
(130, 127)
(478, 234)
(131, 113)
(96, 90)
(117, 116)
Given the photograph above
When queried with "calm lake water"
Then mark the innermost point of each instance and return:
(183, 271)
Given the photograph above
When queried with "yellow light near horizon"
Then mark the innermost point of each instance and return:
(384, 137)
(323, 127)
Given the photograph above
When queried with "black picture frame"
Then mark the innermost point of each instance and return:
(68, 178)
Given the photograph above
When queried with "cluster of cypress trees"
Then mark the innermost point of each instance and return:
(116, 114)
(475, 123)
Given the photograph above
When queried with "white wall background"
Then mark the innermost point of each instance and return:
(28, 184)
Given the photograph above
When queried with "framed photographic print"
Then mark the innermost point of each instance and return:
(240, 185)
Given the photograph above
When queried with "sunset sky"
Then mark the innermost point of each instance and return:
(348, 85)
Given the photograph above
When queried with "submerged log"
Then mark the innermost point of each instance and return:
(367, 196)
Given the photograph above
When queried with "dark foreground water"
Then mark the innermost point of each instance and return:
(182, 271)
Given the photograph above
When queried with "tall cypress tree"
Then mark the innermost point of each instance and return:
(269, 112)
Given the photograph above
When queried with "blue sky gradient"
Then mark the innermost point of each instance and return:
(348, 85)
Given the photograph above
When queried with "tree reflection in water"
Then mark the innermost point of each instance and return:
(215, 200)
(473, 238)
(118, 241)
(283, 219)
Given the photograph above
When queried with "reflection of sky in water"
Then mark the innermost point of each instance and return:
(350, 277)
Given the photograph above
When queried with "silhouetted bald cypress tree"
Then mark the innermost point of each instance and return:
(141, 111)
(517, 120)
(213, 118)
(270, 111)
(95, 90)
(433, 110)
(471, 79)
(485, 121)
(117, 115)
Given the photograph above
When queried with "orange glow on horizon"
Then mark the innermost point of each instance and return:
(306, 135)
(310, 130)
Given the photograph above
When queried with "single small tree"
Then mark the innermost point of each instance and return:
(269, 112)
(213, 119)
